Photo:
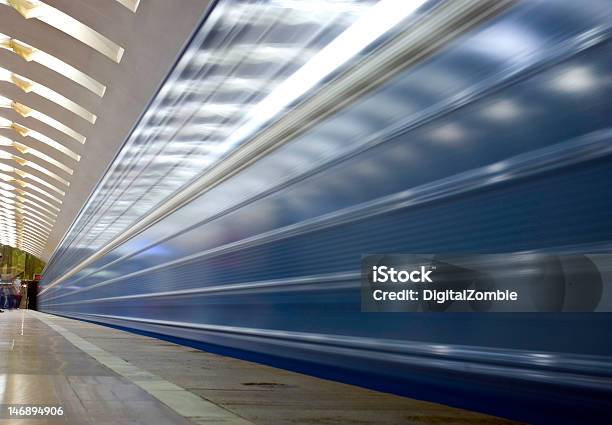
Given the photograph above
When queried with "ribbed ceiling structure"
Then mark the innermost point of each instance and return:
(74, 77)
(30, 202)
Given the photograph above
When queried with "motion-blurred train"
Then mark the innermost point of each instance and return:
(486, 129)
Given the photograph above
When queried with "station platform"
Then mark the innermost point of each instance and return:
(103, 376)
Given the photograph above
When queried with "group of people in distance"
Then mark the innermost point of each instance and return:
(10, 298)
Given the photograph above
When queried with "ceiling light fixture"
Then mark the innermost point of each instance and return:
(24, 149)
(36, 9)
(29, 86)
(8, 178)
(31, 53)
(24, 131)
(27, 112)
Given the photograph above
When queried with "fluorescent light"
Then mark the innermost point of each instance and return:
(32, 250)
(54, 123)
(36, 9)
(38, 217)
(25, 163)
(40, 181)
(38, 225)
(7, 195)
(34, 231)
(45, 202)
(37, 205)
(37, 212)
(27, 132)
(6, 189)
(26, 111)
(21, 221)
(42, 192)
(64, 102)
(30, 239)
(27, 86)
(31, 53)
(7, 213)
(43, 170)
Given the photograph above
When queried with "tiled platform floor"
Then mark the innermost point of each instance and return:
(134, 380)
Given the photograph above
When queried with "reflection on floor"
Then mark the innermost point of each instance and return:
(105, 376)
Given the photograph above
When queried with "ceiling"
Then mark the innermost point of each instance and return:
(75, 76)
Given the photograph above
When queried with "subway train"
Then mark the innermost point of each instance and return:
(493, 138)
